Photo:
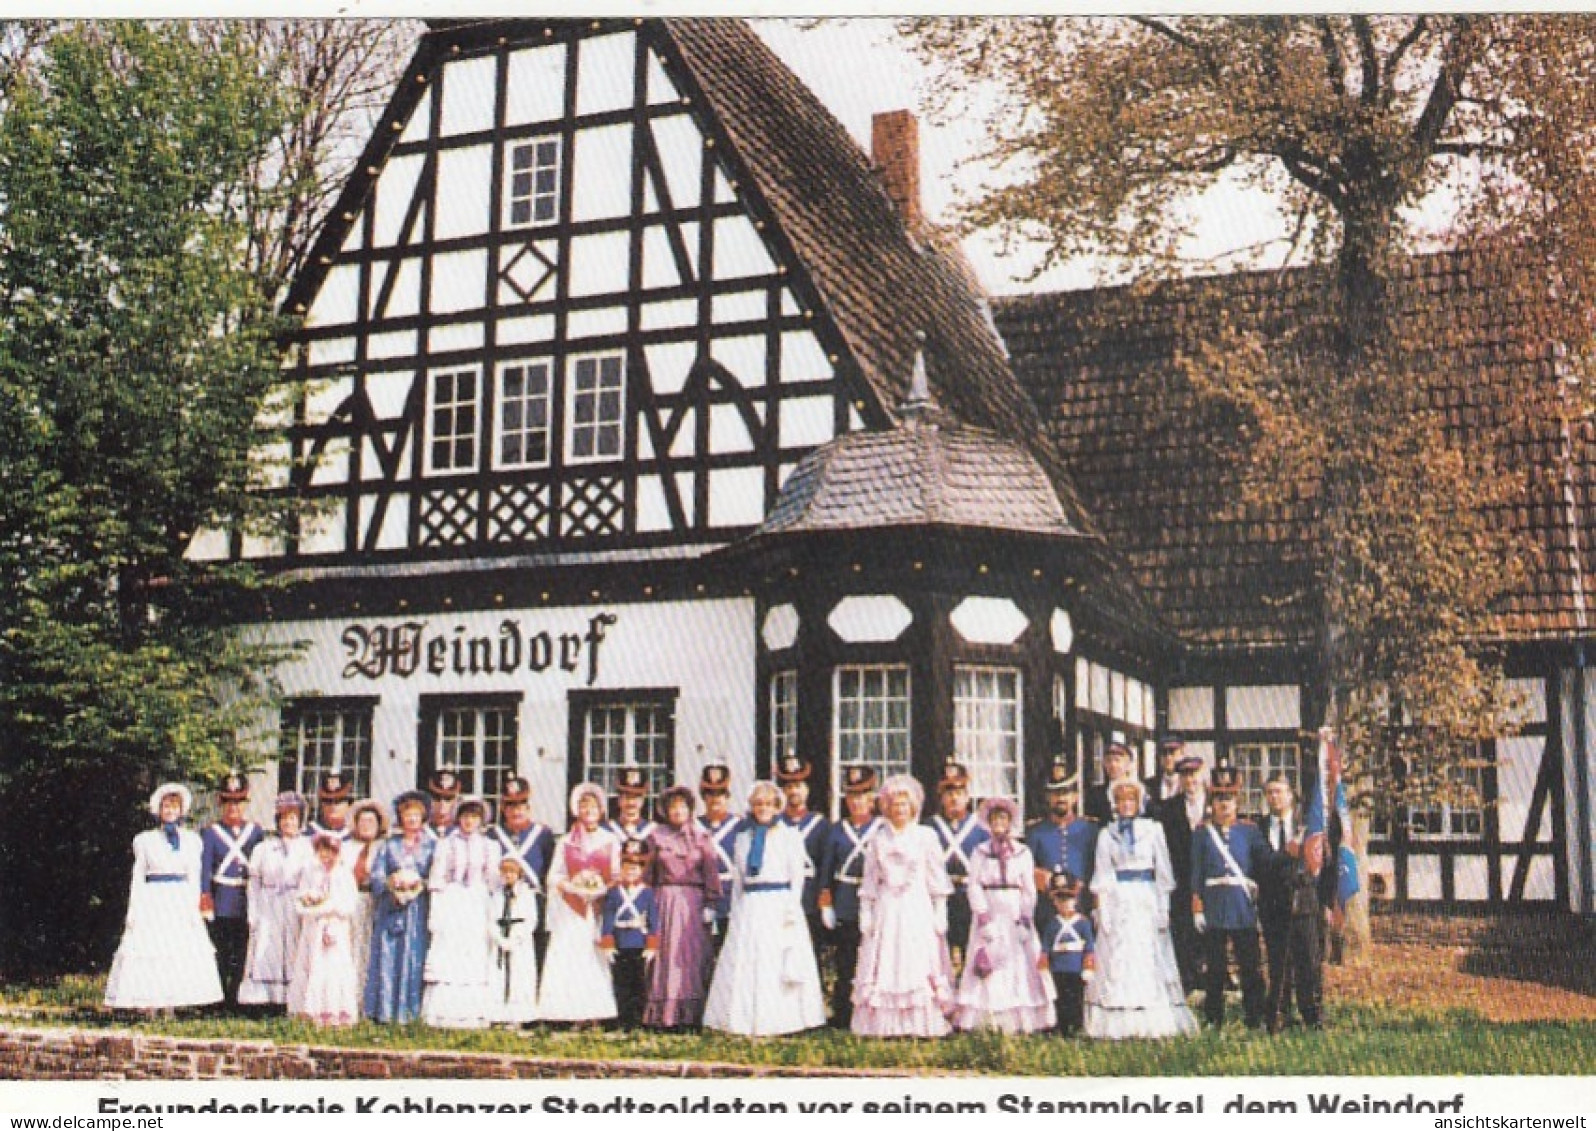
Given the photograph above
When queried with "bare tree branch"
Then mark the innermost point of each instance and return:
(1369, 60)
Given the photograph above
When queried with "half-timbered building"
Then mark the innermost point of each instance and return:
(1232, 581)
(648, 423)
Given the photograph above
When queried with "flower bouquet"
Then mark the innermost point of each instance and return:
(584, 889)
(405, 885)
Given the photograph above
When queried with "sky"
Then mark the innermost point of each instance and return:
(858, 67)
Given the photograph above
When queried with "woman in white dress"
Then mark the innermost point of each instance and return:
(275, 869)
(370, 827)
(1137, 991)
(767, 981)
(325, 987)
(165, 960)
(576, 982)
(464, 879)
(903, 986)
(1005, 986)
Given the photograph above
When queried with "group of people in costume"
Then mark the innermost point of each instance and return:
(926, 923)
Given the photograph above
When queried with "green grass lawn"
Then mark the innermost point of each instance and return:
(1361, 1040)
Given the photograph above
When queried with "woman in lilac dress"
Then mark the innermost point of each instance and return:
(1004, 986)
(686, 880)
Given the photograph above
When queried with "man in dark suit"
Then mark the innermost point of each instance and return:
(1118, 763)
(1165, 784)
(1180, 816)
(1291, 912)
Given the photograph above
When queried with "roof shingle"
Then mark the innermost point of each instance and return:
(1104, 367)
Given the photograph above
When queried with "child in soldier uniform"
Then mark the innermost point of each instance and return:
(1068, 951)
(630, 936)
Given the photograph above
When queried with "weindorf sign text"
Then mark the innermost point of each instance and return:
(376, 651)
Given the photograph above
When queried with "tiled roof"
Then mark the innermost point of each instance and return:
(880, 284)
(919, 474)
(1137, 441)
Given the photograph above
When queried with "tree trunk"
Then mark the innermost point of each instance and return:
(1360, 333)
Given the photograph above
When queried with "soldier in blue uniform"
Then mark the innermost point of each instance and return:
(631, 787)
(529, 842)
(1063, 839)
(332, 807)
(959, 833)
(1227, 856)
(1069, 950)
(792, 774)
(714, 786)
(629, 934)
(444, 789)
(224, 876)
(842, 865)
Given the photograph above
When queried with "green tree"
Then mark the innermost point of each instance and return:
(1108, 128)
(137, 354)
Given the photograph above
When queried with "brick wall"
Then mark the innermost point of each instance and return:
(71, 1054)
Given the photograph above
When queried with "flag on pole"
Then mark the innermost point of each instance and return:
(1329, 790)
(1316, 820)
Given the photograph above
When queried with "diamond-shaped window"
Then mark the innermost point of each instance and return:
(528, 271)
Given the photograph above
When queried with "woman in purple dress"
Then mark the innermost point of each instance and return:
(686, 880)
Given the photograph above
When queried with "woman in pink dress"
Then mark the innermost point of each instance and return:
(903, 986)
(685, 876)
(1003, 987)
(576, 982)
(324, 986)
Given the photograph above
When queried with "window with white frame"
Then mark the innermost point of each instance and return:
(453, 397)
(870, 721)
(319, 738)
(523, 419)
(477, 740)
(783, 714)
(597, 404)
(986, 729)
(1256, 763)
(1458, 809)
(620, 729)
(534, 194)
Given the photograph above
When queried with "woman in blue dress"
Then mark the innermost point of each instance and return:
(399, 926)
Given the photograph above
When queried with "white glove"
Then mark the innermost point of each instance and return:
(709, 916)
(1200, 921)
(939, 909)
(1088, 975)
(828, 918)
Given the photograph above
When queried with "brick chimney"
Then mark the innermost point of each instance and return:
(895, 150)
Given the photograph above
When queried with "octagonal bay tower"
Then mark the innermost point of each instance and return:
(923, 594)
